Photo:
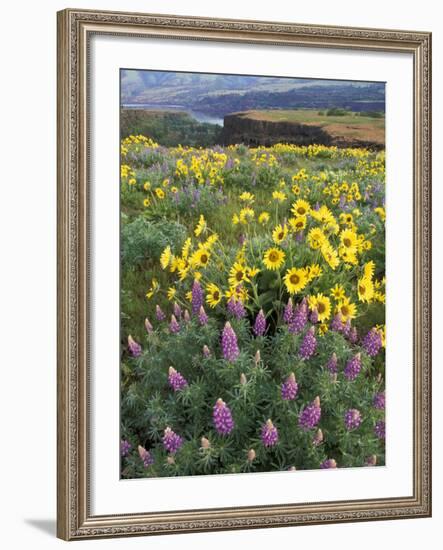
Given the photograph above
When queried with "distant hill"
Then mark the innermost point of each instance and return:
(223, 94)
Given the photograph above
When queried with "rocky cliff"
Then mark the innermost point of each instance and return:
(242, 128)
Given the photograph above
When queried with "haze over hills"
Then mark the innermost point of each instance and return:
(220, 95)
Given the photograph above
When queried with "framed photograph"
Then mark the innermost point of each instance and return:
(244, 253)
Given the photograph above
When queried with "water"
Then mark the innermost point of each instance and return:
(197, 115)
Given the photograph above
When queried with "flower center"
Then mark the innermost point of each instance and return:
(203, 258)
(294, 278)
(239, 275)
(347, 242)
(273, 256)
(321, 308)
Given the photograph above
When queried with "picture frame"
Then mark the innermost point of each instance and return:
(76, 317)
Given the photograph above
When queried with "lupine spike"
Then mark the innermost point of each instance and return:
(309, 344)
(310, 415)
(174, 327)
(159, 313)
(222, 417)
(260, 324)
(171, 441)
(229, 343)
(289, 388)
(269, 434)
(176, 380)
(202, 316)
(134, 347)
(353, 367)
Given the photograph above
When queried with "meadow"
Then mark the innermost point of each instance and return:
(252, 308)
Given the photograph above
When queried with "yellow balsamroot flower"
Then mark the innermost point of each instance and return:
(200, 258)
(323, 214)
(186, 248)
(210, 241)
(214, 295)
(295, 189)
(246, 197)
(183, 272)
(160, 193)
(274, 258)
(381, 213)
(365, 289)
(147, 186)
(132, 181)
(349, 240)
(146, 202)
(263, 218)
(171, 293)
(165, 257)
(382, 330)
(238, 292)
(380, 297)
(165, 182)
(279, 196)
(367, 245)
(316, 238)
(253, 271)
(297, 224)
(201, 226)
(246, 214)
(346, 218)
(338, 292)
(369, 269)
(174, 189)
(279, 234)
(323, 329)
(235, 219)
(322, 304)
(155, 287)
(237, 274)
(330, 255)
(314, 271)
(346, 309)
(347, 255)
(188, 296)
(301, 208)
(295, 279)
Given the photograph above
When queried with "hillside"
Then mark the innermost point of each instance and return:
(303, 127)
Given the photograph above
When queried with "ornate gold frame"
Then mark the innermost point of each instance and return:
(75, 27)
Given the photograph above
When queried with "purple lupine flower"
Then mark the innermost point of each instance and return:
(202, 316)
(197, 297)
(269, 434)
(353, 367)
(300, 235)
(134, 347)
(159, 313)
(328, 464)
(371, 460)
(299, 318)
(177, 310)
(337, 324)
(236, 308)
(222, 417)
(310, 415)
(313, 317)
(171, 441)
(145, 456)
(379, 400)
(353, 335)
(174, 327)
(206, 351)
(260, 324)
(149, 328)
(347, 328)
(288, 311)
(176, 380)
(289, 388)
(186, 316)
(308, 345)
(380, 429)
(372, 342)
(125, 447)
(332, 365)
(318, 438)
(229, 343)
(352, 418)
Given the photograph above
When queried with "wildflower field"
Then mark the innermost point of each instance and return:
(252, 308)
